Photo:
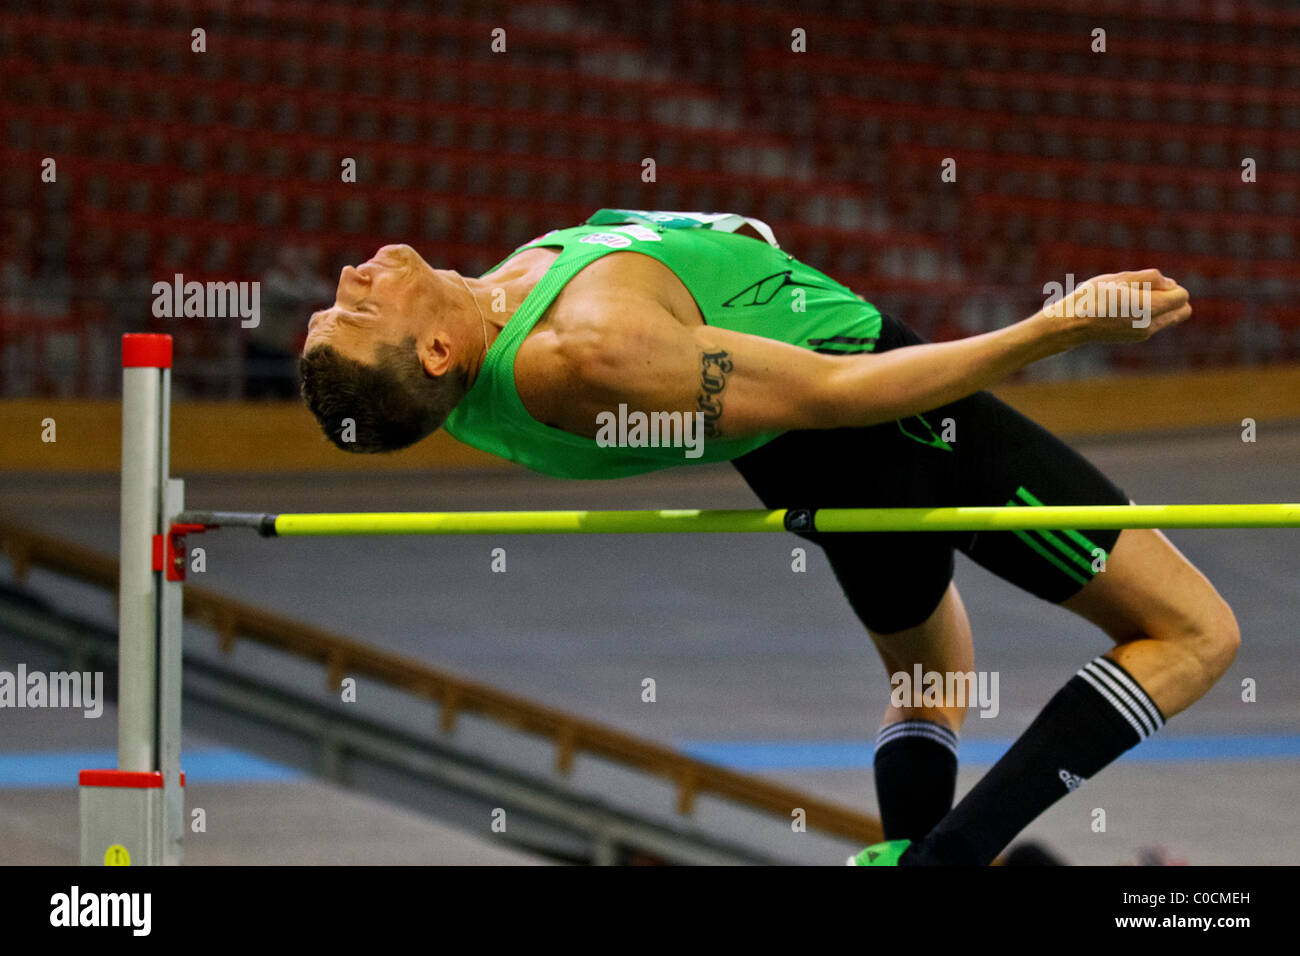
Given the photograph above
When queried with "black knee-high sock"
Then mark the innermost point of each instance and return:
(916, 776)
(1093, 719)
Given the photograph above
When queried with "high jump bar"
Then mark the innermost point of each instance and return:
(690, 521)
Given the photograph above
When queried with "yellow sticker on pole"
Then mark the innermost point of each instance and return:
(117, 855)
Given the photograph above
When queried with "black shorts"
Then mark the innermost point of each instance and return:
(895, 580)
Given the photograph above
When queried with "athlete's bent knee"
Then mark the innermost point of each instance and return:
(1217, 639)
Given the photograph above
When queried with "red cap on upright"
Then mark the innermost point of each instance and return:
(142, 780)
(146, 350)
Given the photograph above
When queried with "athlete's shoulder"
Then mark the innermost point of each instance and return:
(609, 289)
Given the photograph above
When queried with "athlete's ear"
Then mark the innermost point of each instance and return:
(436, 355)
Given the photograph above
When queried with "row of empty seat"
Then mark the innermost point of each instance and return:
(1067, 160)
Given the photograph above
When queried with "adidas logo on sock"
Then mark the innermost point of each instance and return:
(1072, 781)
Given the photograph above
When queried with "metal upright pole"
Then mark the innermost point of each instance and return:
(146, 360)
(132, 814)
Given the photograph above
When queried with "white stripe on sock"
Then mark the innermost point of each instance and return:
(917, 727)
(1099, 688)
(1122, 693)
(1120, 675)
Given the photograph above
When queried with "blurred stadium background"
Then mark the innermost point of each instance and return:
(217, 164)
(1176, 147)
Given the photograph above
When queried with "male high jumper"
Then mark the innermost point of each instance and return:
(820, 401)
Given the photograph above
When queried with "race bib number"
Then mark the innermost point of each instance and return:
(612, 239)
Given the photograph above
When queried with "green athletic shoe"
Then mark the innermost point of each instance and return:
(880, 854)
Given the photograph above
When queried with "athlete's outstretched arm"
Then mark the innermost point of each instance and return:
(746, 384)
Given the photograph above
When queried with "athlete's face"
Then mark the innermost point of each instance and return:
(375, 304)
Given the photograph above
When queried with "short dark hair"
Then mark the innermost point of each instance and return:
(392, 403)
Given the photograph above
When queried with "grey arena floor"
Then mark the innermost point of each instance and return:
(754, 665)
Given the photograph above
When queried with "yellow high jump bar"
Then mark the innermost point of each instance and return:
(692, 521)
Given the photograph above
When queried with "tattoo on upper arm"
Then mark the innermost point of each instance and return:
(714, 368)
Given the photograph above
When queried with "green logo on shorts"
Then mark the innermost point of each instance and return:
(920, 424)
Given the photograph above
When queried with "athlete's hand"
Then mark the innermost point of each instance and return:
(1121, 307)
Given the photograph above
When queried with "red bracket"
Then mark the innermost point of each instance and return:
(171, 556)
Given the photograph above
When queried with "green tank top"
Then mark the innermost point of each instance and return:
(738, 282)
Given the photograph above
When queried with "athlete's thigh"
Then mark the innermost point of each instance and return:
(1007, 460)
(1149, 589)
